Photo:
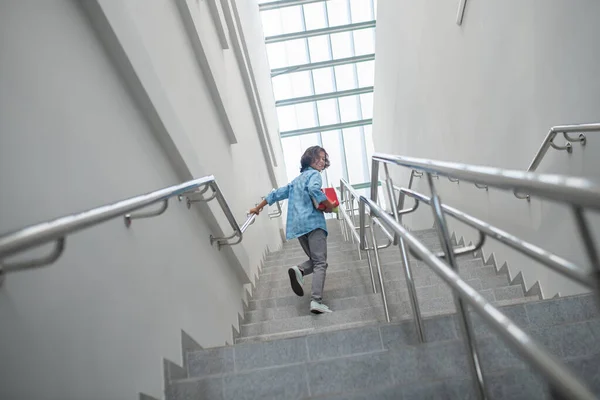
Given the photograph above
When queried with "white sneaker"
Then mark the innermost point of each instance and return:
(296, 280)
(319, 308)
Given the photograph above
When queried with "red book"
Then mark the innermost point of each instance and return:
(331, 196)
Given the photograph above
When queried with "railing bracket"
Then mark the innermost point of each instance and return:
(59, 248)
(581, 139)
(568, 147)
(149, 214)
(201, 199)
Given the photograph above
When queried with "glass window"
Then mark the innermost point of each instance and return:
(344, 77)
(360, 10)
(341, 44)
(282, 87)
(314, 15)
(296, 52)
(366, 73)
(327, 112)
(271, 22)
(354, 154)
(347, 156)
(337, 13)
(319, 48)
(369, 144)
(287, 118)
(349, 108)
(366, 105)
(300, 84)
(323, 78)
(305, 115)
(292, 151)
(291, 19)
(364, 41)
(374, 8)
(331, 143)
(277, 55)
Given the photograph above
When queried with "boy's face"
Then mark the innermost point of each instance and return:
(319, 162)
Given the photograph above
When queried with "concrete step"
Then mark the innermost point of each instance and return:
(386, 360)
(292, 313)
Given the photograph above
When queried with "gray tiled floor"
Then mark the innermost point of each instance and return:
(287, 353)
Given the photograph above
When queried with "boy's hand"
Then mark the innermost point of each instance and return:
(255, 210)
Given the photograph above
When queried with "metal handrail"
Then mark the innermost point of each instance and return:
(549, 142)
(347, 224)
(57, 229)
(555, 262)
(278, 212)
(578, 192)
(345, 186)
(559, 375)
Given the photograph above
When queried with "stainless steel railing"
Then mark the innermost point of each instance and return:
(349, 196)
(58, 229)
(547, 364)
(579, 193)
(549, 142)
(553, 261)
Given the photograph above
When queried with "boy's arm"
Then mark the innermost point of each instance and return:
(314, 190)
(280, 194)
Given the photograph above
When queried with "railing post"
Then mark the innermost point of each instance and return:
(412, 292)
(371, 273)
(402, 196)
(390, 189)
(379, 271)
(374, 179)
(461, 308)
(590, 247)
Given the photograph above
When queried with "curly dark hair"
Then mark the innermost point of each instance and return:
(310, 155)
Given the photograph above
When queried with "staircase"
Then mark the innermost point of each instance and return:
(284, 352)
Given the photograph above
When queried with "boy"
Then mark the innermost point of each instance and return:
(306, 223)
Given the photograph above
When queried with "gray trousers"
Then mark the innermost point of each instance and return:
(314, 245)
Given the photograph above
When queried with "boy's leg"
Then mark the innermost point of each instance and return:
(307, 266)
(317, 243)
(297, 273)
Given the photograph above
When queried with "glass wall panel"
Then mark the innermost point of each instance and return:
(331, 143)
(271, 22)
(349, 108)
(328, 112)
(315, 16)
(296, 52)
(354, 155)
(300, 84)
(364, 41)
(291, 19)
(292, 151)
(366, 73)
(337, 12)
(344, 77)
(360, 10)
(341, 44)
(324, 80)
(349, 150)
(318, 47)
(366, 105)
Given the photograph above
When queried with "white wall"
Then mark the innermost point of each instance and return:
(75, 133)
(486, 93)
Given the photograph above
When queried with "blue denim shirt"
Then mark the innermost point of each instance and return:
(302, 216)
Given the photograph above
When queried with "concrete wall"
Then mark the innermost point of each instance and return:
(486, 93)
(100, 102)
